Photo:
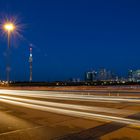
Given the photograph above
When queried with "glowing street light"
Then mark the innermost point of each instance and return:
(9, 28)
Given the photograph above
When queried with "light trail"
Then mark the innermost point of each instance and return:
(74, 113)
(70, 106)
(62, 96)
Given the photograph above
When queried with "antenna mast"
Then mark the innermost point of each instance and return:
(31, 66)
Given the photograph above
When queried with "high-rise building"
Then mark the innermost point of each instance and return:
(130, 75)
(102, 74)
(91, 75)
(136, 76)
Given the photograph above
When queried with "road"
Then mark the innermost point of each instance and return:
(45, 115)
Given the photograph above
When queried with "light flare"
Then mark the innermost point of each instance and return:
(9, 27)
(12, 25)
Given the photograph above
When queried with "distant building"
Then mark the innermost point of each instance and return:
(134, 75)
(130, 75)
(75, 80)
(91, 76)
(102, 74)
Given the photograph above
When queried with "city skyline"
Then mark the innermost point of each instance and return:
(69, 38)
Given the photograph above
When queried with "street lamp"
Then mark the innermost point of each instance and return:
(9, 28)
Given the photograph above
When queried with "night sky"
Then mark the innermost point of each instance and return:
(70, 37)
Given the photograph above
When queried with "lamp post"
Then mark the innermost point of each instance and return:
(8, 27)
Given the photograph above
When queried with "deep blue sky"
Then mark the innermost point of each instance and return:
(72, 36)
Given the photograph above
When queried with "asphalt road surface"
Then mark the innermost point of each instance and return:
(45, 115)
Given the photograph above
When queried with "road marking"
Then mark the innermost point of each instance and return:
(20, 130)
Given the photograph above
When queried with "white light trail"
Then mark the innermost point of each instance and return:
(70, 106)
(62, 96)
(74, 113)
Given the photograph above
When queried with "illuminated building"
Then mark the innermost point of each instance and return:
(91, 75)
(135, 75)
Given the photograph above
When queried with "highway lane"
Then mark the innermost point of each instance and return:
(70, 96)
(87, 112)
(20, 123)
(40, 115)
(86, 115)
(69, 106)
